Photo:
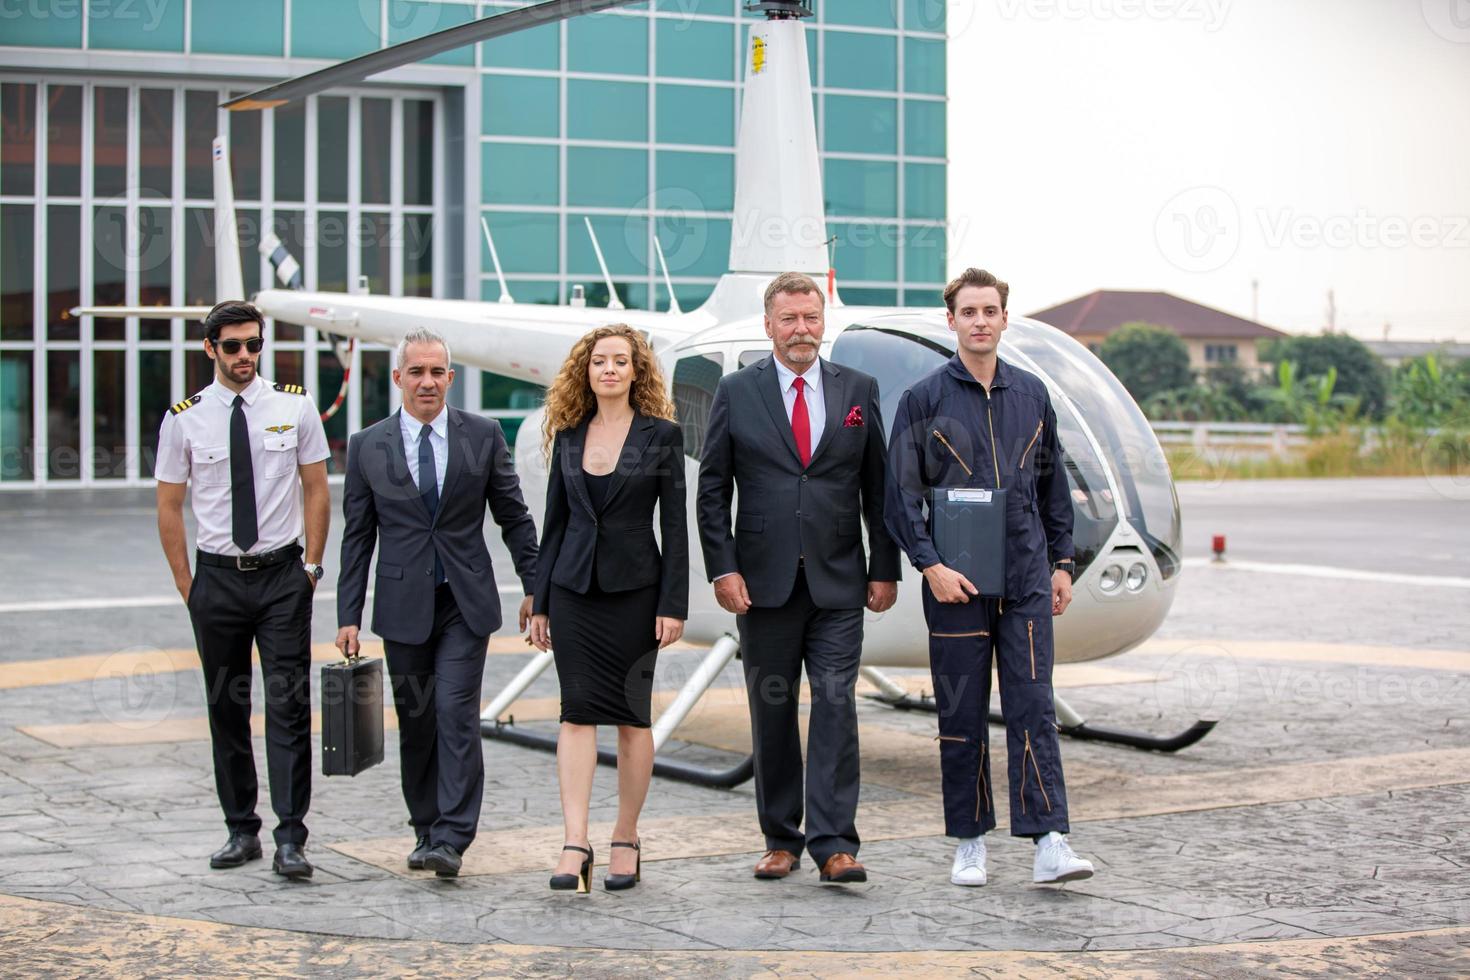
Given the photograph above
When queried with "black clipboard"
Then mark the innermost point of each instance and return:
(968, 527)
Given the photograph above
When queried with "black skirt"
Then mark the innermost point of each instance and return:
(605, 652)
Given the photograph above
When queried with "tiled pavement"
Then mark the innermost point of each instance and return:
(1322, 827)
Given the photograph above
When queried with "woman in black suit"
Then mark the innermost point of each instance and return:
(603, 587)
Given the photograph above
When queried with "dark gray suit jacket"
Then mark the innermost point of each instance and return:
(787, 512)
(382, 504)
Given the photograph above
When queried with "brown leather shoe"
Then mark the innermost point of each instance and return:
(776, 864)
(842, 869)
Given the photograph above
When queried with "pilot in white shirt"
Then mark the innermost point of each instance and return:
(253, 456)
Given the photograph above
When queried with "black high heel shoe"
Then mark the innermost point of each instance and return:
(582, 880)
(617, 883)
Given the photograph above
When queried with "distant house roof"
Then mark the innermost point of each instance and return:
(1100, 313)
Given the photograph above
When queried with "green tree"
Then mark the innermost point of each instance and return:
(1148, 359)
(1428, 392)
(1360, 373)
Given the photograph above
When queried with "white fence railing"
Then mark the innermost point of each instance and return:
(1251, 437)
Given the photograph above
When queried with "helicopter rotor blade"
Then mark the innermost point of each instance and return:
(408, 52)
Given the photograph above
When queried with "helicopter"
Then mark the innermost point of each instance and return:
(1126, 512)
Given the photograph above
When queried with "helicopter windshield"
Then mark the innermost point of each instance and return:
(1150, 503)
(897, 358)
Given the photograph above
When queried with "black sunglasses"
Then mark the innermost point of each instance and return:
(232, 347)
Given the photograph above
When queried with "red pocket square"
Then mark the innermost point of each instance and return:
(854, 417)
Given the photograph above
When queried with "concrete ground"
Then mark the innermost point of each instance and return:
(1321, 828)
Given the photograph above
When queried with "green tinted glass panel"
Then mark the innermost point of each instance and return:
(867, 296)
(865, 61)
(216, 27)
(865, 251)
(536, 47)
(923, 191)
(624, 241)
(525, 242)
(862, 187)
(521, 290)
(694, 246)
(724, 8)
(515, 106)
(408, 19)
(923, 128)
(695, 114)
(695, 49)
(863, 13)
(609, 43)
(924, 255)
(606, 178)
(599, 110)
(54, 31)
(923, 66)
(334, 29)
(924, 15)
(855, 124)
(516, 173)
(133, 26)
(695, 181)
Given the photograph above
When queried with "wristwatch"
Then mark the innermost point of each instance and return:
(1065, 565)
(315, 571)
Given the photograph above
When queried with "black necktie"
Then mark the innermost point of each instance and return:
(429, 490)
(243, 528)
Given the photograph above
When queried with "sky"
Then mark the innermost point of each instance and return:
(1194, 146)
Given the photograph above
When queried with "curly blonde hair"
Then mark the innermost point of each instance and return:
(569, 399)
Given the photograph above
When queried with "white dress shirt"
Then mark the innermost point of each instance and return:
(285, 433)
(438, 439)
(816, 408)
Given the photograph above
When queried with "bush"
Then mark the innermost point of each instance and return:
(1148, 359)
(1361, 374)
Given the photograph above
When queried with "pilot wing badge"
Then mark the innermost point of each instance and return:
(278, 429)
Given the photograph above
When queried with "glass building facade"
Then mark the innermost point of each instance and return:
(627, 118)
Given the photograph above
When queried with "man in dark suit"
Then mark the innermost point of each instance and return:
(418, 483)
(802, 441)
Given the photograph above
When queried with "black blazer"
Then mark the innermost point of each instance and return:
(381, 503)
(618, 543)
(787, 512)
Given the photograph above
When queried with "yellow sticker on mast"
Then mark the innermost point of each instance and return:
(757, 55)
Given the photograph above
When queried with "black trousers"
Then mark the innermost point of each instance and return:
(270, 608)
(436, 693)
(774, 645)
(963, 639)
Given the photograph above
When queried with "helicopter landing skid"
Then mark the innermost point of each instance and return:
(1069, 722)
(704, 675)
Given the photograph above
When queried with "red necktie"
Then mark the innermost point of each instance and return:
(801, 425)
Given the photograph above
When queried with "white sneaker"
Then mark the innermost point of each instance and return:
(1055, 861)
(969, 863)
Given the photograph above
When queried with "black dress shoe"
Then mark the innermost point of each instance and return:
(291, 862)
(420, 851)
(443, 860)
(237, 850)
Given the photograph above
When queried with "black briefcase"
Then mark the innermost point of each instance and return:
(968, 526)
(352, 716)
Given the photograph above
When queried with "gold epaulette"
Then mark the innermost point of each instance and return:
(290, 389)
(186, 404)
